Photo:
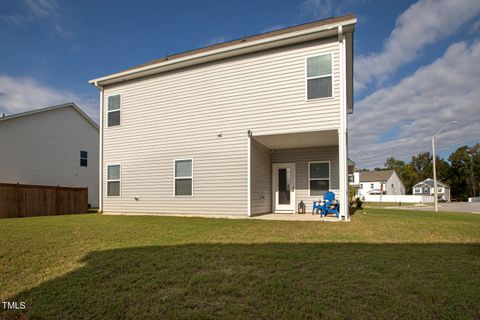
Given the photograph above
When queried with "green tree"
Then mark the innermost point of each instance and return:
(409, 177)
(394, 164)
(444, 173)
(465, 175)
(422, 165)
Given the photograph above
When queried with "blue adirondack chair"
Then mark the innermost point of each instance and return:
(331, 205)
(321, 207)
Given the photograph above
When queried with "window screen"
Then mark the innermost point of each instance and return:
(319, 77)
(183, 178)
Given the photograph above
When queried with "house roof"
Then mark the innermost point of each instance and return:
(372, 176)
(65, 105)
(429, 182)
(304, 32)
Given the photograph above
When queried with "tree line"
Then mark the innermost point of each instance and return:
(461, 172)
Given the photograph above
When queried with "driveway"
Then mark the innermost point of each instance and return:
(449, 206)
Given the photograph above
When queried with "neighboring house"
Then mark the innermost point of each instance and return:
(245, 127)
(51, 146)
(426, 188)
(385, 182)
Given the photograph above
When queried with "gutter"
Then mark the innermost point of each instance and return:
(229, 51)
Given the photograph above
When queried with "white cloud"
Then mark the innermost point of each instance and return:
(43, 9)
(47, 12)
(418, 106)
(422, 24)
(322, 9)
(475, 26)
(24, 94)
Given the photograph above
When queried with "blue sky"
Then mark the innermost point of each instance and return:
(404, 52)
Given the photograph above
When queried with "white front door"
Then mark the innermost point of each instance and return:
(283, 186)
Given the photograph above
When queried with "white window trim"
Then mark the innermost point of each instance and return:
(114, 180)
(119, 109)
(329, 176)
(175, 178)
(318, 77)
(418, 190)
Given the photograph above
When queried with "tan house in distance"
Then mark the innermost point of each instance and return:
(244, 127)
(381, 182)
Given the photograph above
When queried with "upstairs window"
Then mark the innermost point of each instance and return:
(183, 178)
(319, 77)
(113, 110)
(319, 178)
(83, 158)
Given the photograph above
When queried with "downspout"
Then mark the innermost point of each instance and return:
(100, 152)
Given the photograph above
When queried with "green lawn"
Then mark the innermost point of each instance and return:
(384, 264)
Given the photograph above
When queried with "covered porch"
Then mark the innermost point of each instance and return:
(293, 168)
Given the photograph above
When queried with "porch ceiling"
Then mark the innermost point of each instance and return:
(299, 140)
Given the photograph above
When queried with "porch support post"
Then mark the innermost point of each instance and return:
(342, 131)
(249, 173)
(100, 153)
(343, 175)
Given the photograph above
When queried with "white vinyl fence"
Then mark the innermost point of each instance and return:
(406, 198)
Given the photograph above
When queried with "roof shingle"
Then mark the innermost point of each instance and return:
(371, 176)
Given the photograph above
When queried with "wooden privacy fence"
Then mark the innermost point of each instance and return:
(21, 200)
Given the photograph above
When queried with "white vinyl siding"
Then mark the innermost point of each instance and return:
(44, 149)
(261, 179)
(319, 76)
(301, 157)
(318, 178)
(114, 107)
(263, 92)
(183, 177)
(113, 180)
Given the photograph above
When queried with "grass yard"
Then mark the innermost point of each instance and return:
(385, 264)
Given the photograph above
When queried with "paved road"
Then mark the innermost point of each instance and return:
(450, 206)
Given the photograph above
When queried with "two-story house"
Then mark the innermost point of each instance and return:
(383, 182)
(51, 146)
(244, 127)
(425, 188)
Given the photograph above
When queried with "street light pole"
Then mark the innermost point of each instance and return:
(435, 191)
(435, 196)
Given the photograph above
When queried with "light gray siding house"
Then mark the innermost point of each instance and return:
(425, 187)
(386, 182)
(245, 127)
(52, 146)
